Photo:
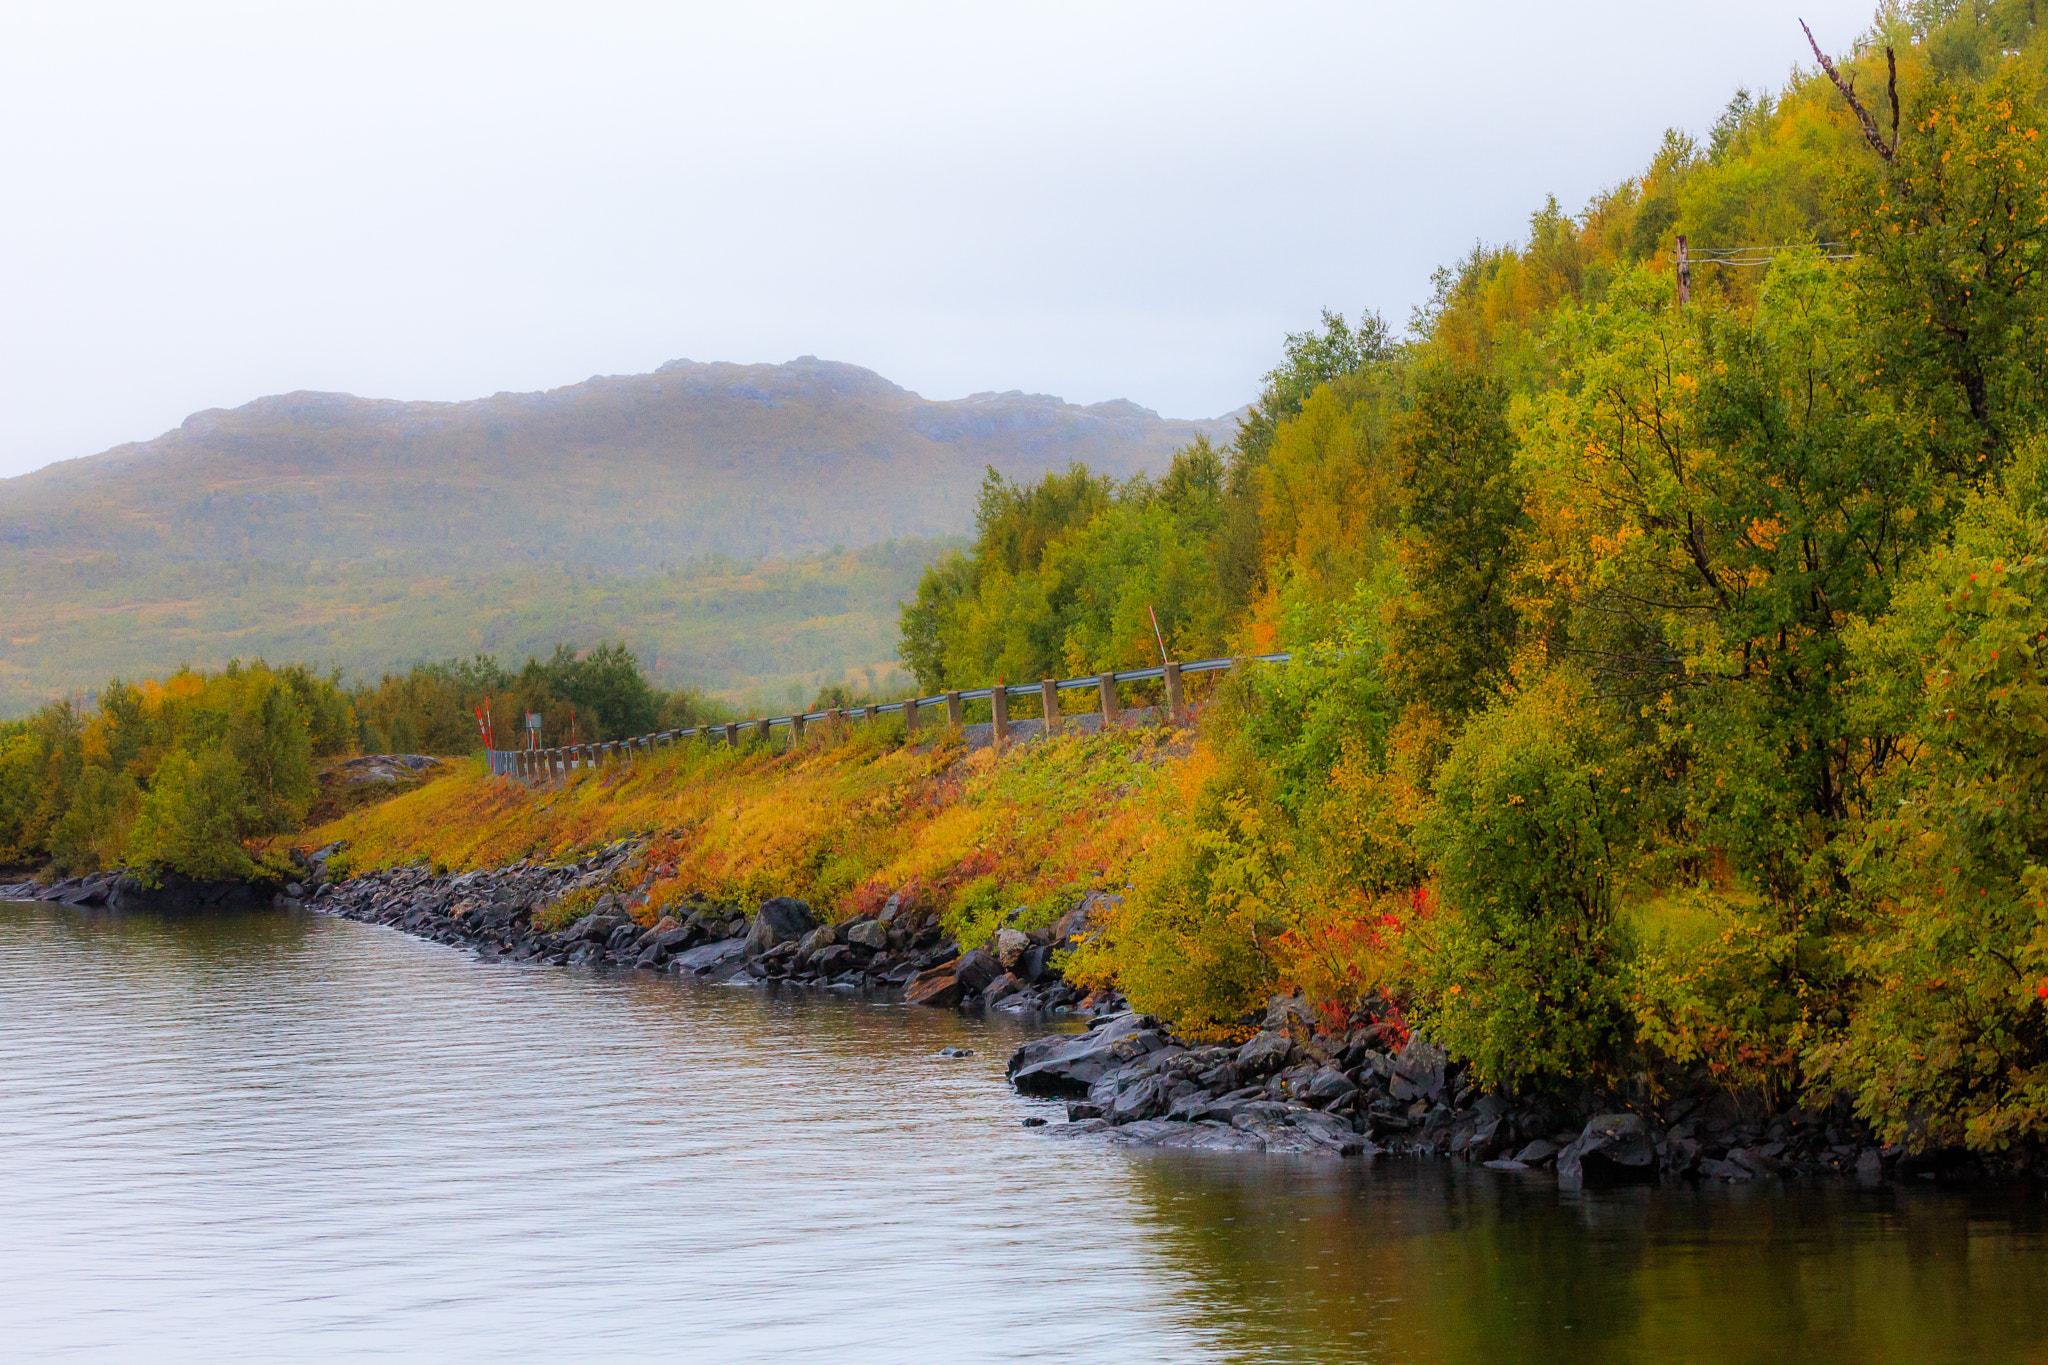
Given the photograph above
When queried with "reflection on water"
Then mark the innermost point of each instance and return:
(266, 1135)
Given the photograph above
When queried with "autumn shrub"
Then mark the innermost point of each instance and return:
(1949, 1038)
(1524, 973)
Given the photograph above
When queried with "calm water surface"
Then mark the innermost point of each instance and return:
(279, 1136)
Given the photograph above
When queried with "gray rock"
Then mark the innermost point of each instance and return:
(976, 969)
(782, 919)
(1329, 1089)
(1286, 1013)
(1162, 1134)
(1011, 945)
(1065, 1065)
(818, 938)
(1614, 1149)
(1266, 1053)
(1082, 1128)
(1537, 1152)
(869, 934)
(709, 959)
(1418, 1071)
(1036, 965)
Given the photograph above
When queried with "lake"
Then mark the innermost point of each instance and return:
(275, 1134)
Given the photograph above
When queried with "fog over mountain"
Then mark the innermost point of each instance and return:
(369, 533)
(624, 473)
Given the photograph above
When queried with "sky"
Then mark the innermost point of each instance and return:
(206, 203)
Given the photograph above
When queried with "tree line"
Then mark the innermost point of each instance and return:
(184, 775)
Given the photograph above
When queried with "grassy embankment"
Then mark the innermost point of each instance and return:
(975, 834)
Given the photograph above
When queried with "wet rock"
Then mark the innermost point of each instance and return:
(781, 919)
(956, 1052)
(1614, 1149)
(1065, 1065)
(1086, 1127)
(1537, 1153)
(940, 987)
(710, 958)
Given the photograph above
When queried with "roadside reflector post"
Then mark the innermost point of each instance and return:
(1105, 683)
(1176, 708)
(999, 707)
(953, 710)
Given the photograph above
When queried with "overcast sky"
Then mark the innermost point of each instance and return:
(206, 203)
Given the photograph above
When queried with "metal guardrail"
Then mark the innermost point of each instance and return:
(525, 763)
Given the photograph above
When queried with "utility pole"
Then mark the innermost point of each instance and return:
(1684, 274)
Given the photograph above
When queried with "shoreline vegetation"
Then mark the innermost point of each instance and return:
(1661, 761)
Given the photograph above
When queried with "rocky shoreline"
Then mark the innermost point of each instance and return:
(1293, 1088)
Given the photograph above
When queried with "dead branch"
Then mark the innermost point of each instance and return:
(1891, 87)
(1871, 134)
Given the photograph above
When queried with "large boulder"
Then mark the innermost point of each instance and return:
(710, 960)
(1266, 1053)
(1614, 1149)
(976, 969)
(1191, 1137)
(597, 927)
(870, 934)
(1066, 1064)
(939, 987)
(1011, 945)
(782, 919)
(1418, 1071)
(1103, 1091)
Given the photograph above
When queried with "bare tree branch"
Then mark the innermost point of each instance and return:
(1871, 134)
(1891, 87)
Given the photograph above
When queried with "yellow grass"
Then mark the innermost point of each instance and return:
(842, 826)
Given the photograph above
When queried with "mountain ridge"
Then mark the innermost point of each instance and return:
(369, 532)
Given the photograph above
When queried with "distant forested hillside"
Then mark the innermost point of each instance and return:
(327, 527)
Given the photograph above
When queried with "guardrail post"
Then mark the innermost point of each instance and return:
(999, 708)
(761, 731)
(910, 718)
(835, 725)
(1049, 697)
(953, 709)
(1176, 709)
(796, 731)
(732, 734)
(868, 713)
(1112, 710)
